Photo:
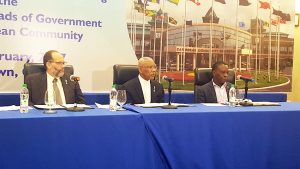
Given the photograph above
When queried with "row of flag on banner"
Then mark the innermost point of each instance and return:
(265, 23)
(139, 6)
(176, 2)
(158, 1)
(284, 16)
(241, 2)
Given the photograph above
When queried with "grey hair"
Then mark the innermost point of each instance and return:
(143, 59)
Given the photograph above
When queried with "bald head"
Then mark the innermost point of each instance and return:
(147, 68)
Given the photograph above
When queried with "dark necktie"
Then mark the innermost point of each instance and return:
(57, 93)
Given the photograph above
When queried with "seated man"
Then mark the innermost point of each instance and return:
(215, 91)
(54, 79)
(143, 89)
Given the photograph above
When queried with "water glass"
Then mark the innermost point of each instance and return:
(239, 96)
(121, 98)
(50, 100)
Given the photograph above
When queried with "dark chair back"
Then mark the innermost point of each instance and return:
(30, 68)
(123, 73)
(204, 75)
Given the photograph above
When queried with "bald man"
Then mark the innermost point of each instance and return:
(54, 79)
(144, 89)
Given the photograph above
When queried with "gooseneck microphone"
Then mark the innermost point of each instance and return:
(166, 78)
(246, 79)
(170, 80)
(74, 78)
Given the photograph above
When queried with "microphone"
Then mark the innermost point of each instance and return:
(245, 78)
(169, 106)
(74, 78)
(169, 79)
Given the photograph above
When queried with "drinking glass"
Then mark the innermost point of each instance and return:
(121, 98)
(50, 100)
(239, 96)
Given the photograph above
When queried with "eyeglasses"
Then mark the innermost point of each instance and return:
(151, 67)
(59, 63)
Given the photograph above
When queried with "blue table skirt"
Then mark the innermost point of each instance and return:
(153, 138)
(92, 139)
(177, 97)
(224, 137)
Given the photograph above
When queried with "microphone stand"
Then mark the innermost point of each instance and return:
(246, 89)
(75, 108)
(169, 106)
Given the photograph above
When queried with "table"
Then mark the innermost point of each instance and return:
(92, 139)
(225, 137)
(185, 138)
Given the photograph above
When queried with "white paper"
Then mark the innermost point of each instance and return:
(181, 104)
(48, 107)
(213, 104)
(265, 104)
(102, 106)
(78, 105)
(11, 108)
(151, 105)
(106, 106)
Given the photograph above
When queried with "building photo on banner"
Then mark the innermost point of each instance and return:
(255, 38)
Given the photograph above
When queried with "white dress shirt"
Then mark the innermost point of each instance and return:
(146, 88)
(51, 90)
(221, 92)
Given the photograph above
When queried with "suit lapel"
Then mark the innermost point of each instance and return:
(153, 90)
(139, 90)
(227, 89)
(65, 82)
(43, 86)
(213, 92)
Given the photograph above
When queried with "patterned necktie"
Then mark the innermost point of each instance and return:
(57, 93)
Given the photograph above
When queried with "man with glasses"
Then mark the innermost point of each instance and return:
(144, 89)
(54, 79)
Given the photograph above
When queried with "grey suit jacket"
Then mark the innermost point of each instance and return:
(37, 86)
(207, 94)
(135, 93)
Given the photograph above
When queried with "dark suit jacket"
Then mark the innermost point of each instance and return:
(37, 86)
(135, 94)
(207, 94)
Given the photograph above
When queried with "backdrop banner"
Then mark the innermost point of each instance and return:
(256, 38)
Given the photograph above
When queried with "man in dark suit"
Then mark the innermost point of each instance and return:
(53, 80)
(215, 91)
(144, 89)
